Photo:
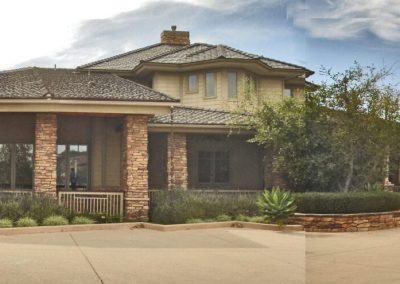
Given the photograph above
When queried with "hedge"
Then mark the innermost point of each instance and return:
(346, 203)
(177, 206)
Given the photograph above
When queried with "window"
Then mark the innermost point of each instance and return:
(232, 84)
(287, 93)
(72, 166)
(16, 166)
(192, 83)
(213, 167)
(210, 84)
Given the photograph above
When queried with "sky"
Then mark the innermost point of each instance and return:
(311, 33)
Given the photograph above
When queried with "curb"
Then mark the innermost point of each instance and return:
(150, 226)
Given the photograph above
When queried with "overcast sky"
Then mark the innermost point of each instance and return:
(332, 33)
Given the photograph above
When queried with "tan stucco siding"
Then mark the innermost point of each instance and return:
(264, 88)
(17, 128)
(167, 83)
(270, 90)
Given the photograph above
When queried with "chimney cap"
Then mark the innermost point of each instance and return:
(173, 28)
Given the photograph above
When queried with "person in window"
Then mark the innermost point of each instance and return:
(73, 179)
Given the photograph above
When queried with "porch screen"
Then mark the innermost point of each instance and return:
(213, 167)
(72, 166)
(16, 166)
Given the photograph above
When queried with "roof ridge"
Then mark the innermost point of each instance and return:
(43, 88)
(165, 53)
(173, 51)
(120, 55)
(253, 56)
(209, 47)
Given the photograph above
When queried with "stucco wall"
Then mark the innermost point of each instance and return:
(175, 84)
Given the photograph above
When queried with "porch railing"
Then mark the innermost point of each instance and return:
(109, 203)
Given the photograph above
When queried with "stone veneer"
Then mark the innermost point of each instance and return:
(134, 168)
(177, 168)
(45, 154)
(347, 222)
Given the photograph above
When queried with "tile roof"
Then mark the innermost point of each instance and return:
(178, 54)
(129, 60)
(39, 83)
(196, 116)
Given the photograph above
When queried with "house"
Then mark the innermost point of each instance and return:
(155, 117)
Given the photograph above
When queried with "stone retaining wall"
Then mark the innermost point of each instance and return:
(347, 222)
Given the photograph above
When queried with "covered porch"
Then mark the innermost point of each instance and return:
(94, 163)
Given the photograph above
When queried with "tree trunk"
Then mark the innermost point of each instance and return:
(350, 172)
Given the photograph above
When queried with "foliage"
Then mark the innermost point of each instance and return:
(223, 218)
(376, 187)
(5, 223)
(177, 206)
(276, 205)
(351, 202)
(82, 220)
(26, 222)
(55, 220)
(339, 138)
(37, 207)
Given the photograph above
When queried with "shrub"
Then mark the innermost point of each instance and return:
(55, 221)
(178, 206)
(223, 218)
(26, 222)
(37, 207)
(82, 220)
(256, 219)
(276, 205)
(5, 223)
(346, 203)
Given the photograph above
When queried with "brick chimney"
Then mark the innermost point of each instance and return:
(175, 37)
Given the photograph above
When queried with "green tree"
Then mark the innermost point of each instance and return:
(340, 137)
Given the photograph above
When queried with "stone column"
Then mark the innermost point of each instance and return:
(177, 169)
(134, 168)
(45, 154)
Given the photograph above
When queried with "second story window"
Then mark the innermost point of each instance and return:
(210, 85)
(232, 84)
(192, 83)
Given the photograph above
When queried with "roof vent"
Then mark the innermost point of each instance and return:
(175, 37)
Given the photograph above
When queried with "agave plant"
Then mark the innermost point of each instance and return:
(276, 205)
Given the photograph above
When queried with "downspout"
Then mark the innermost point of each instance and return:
(171, 150)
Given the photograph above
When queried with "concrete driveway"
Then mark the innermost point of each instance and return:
(144, 256)
(364, 257)
(201, 256)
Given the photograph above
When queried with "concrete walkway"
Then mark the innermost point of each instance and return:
(201, 256)
(144, 256)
